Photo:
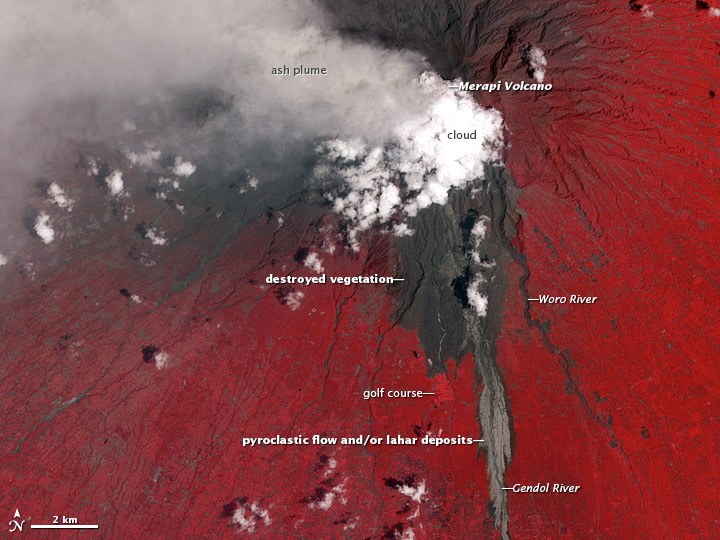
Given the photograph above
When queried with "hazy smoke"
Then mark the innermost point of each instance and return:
(195, 79)
(80, 68)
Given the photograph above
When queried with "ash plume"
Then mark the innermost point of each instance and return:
(193, 82)
(195, 78)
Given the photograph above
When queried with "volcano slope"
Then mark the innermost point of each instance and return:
(617, 167)
(618, 171)
(144, 349)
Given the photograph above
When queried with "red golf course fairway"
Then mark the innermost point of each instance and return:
(136, 378)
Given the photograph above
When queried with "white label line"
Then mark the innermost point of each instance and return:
(398, 279)
(63, 526)
(454, 86)
(533, 299)
(478, 440)
(428, 393)
(507, 488)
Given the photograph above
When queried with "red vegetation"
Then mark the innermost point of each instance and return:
(619, 172)
(148, 452)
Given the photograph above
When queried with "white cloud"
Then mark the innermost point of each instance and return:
(538, 63)
(83, 56)
(371, 94)
(135, 298)
(326, 502)
(169, 181)
(93, 167)
(646, 11)
(3, 260)
(246, 523)
(30, 270)
(115, 183)
(146, 158)
(145, 261)
(43, 228)
(391, 114)
(56, 193)
(336, 493)
(294, 299)
(156, 236)
(476, 299)
(183, 168)
(407, 534)
(248, 519)
(261, 513)
(715, 12)
(401, 229)
(417, 150)
(479, 230)
(162, 360)
(314, 263)
(416, 493)
(331, 466)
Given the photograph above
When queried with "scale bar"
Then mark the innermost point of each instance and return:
(63, 526)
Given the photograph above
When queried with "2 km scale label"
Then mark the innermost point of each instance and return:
(64, 520)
